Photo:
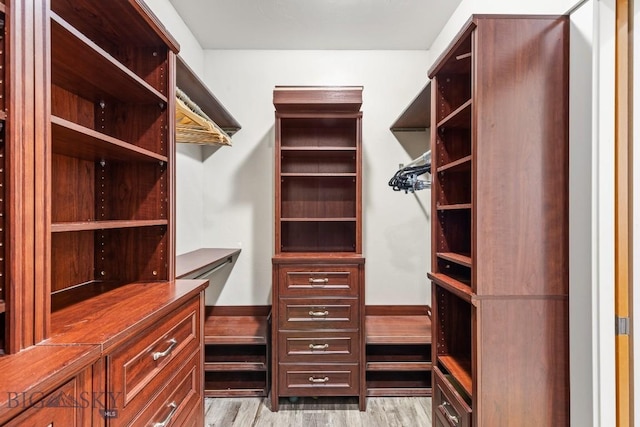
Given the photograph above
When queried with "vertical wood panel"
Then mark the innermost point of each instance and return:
(622, 209)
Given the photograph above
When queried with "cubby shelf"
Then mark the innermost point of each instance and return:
(237, 351)
(458, 165)
(398, 350)
(87, 77)
(457, 206)
(462, 259)
(460, 117)
(104, 225)
(460, 369)
(74, 140)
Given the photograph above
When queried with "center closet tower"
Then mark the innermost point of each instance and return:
(318, 267)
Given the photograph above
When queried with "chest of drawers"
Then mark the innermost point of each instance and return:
(318, 312)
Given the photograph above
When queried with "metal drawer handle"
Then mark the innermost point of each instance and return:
(165, 423)
(318, 380)
(158, 354)
(451, 418)
(318, 346)
(318, 313)
(316, 282)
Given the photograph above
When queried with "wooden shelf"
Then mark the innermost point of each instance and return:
(199, 93)
(237, 350)
(401, 329)
(457, 206)
(318, 175)
(87, 77)
(417, 116)
(103, 225)
(74, 140)
(195, 263)
(458, 165)
(398, 350)
(457, 287)
(314, 149)
(460, 369)
(344, 219)
(235, 366)
(460, 117)
(461, 259)
(250, 330)
(398, 366)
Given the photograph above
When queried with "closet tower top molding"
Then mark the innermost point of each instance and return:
(347, 99)
(457, 49)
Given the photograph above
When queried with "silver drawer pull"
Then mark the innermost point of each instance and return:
(452, 418)
(318, 313)
(318, 346)
(158, 354)
(318, 380)
(165, 423)
(318, 282)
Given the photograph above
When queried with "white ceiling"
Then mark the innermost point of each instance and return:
(315, 24)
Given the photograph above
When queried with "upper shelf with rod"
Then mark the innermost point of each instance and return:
(189, 83)
(417, 116)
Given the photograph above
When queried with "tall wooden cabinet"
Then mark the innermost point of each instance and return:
(500, 227)
(93, 291)
(318, 267)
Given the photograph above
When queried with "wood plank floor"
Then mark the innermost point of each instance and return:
(308, 412)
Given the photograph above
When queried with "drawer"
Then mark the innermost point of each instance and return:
(319, 380)
(61, 407)
(449, 407)
(176, 401)
(318, 347)
(143, 365)
(318, 313)
(336, 281)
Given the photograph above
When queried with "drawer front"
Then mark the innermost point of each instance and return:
(336, 281)
(319, 380)
(143, 365)
(318, 347)
(55, 409)
(177, 399)
(302, 313)
(448, 405)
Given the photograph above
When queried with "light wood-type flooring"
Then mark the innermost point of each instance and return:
(309, 412)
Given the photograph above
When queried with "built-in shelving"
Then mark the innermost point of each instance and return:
(499, 236)
(398, 351)
(237, 351)
(112, 157)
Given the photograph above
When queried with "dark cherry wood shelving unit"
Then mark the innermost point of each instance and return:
(500, 230)
(93, 307)
(398, 350)
(237, 351)
(318, 268)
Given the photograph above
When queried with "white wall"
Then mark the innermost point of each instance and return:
(238, 199)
